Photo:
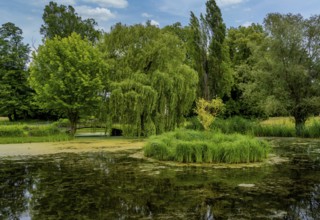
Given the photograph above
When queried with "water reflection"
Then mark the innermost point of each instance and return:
(113, 186)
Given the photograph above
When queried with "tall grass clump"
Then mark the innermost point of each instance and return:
(189, 146)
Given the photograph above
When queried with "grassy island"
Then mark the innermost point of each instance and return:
(189, 146)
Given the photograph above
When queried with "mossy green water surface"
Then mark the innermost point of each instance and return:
(105, 185)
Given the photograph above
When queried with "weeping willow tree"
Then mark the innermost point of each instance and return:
(150, 88)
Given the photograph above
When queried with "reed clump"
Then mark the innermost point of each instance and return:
(190, 146)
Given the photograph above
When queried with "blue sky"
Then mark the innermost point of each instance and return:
(27, 14)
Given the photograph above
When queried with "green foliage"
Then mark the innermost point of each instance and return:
(242, 42)
(189, 146)
(66, 75)
(207, 111)
(62, 21)
(151, 89)
(15, 95)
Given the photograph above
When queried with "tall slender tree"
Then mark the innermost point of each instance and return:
(210, 53)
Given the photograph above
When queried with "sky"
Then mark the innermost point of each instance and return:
(27, 14)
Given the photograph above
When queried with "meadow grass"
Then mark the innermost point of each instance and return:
(190, 146)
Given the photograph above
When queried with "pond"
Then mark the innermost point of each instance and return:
(112, 185)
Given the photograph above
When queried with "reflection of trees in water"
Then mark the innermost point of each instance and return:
(100, 186)
(308, 207)
(14, 187)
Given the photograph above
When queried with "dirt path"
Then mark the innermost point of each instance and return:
(78, 145)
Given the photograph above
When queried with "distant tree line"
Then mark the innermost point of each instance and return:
(147, 79)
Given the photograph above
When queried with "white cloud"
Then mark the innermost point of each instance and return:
(110, 3)
(146, 15)
(223, 3)
(247, 23)
(155, 23)
(102, 14)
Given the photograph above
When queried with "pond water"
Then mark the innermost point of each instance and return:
(111, 185)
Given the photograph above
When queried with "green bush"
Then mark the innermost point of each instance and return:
(190, 146)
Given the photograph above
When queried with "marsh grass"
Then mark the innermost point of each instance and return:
(189, 146)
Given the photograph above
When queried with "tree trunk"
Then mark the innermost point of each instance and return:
(73, 118)
(299, 125)
(10, 117)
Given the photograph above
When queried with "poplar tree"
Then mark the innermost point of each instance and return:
(210, 53)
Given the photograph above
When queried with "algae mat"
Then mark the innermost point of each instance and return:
(74, 146)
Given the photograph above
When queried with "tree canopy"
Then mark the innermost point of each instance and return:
(61, 20)
(66, 74)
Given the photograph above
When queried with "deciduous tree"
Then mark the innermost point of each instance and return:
(66, 75)
(288, 70)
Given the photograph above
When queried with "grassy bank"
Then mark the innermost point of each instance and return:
(27, 133)
(190, 146)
